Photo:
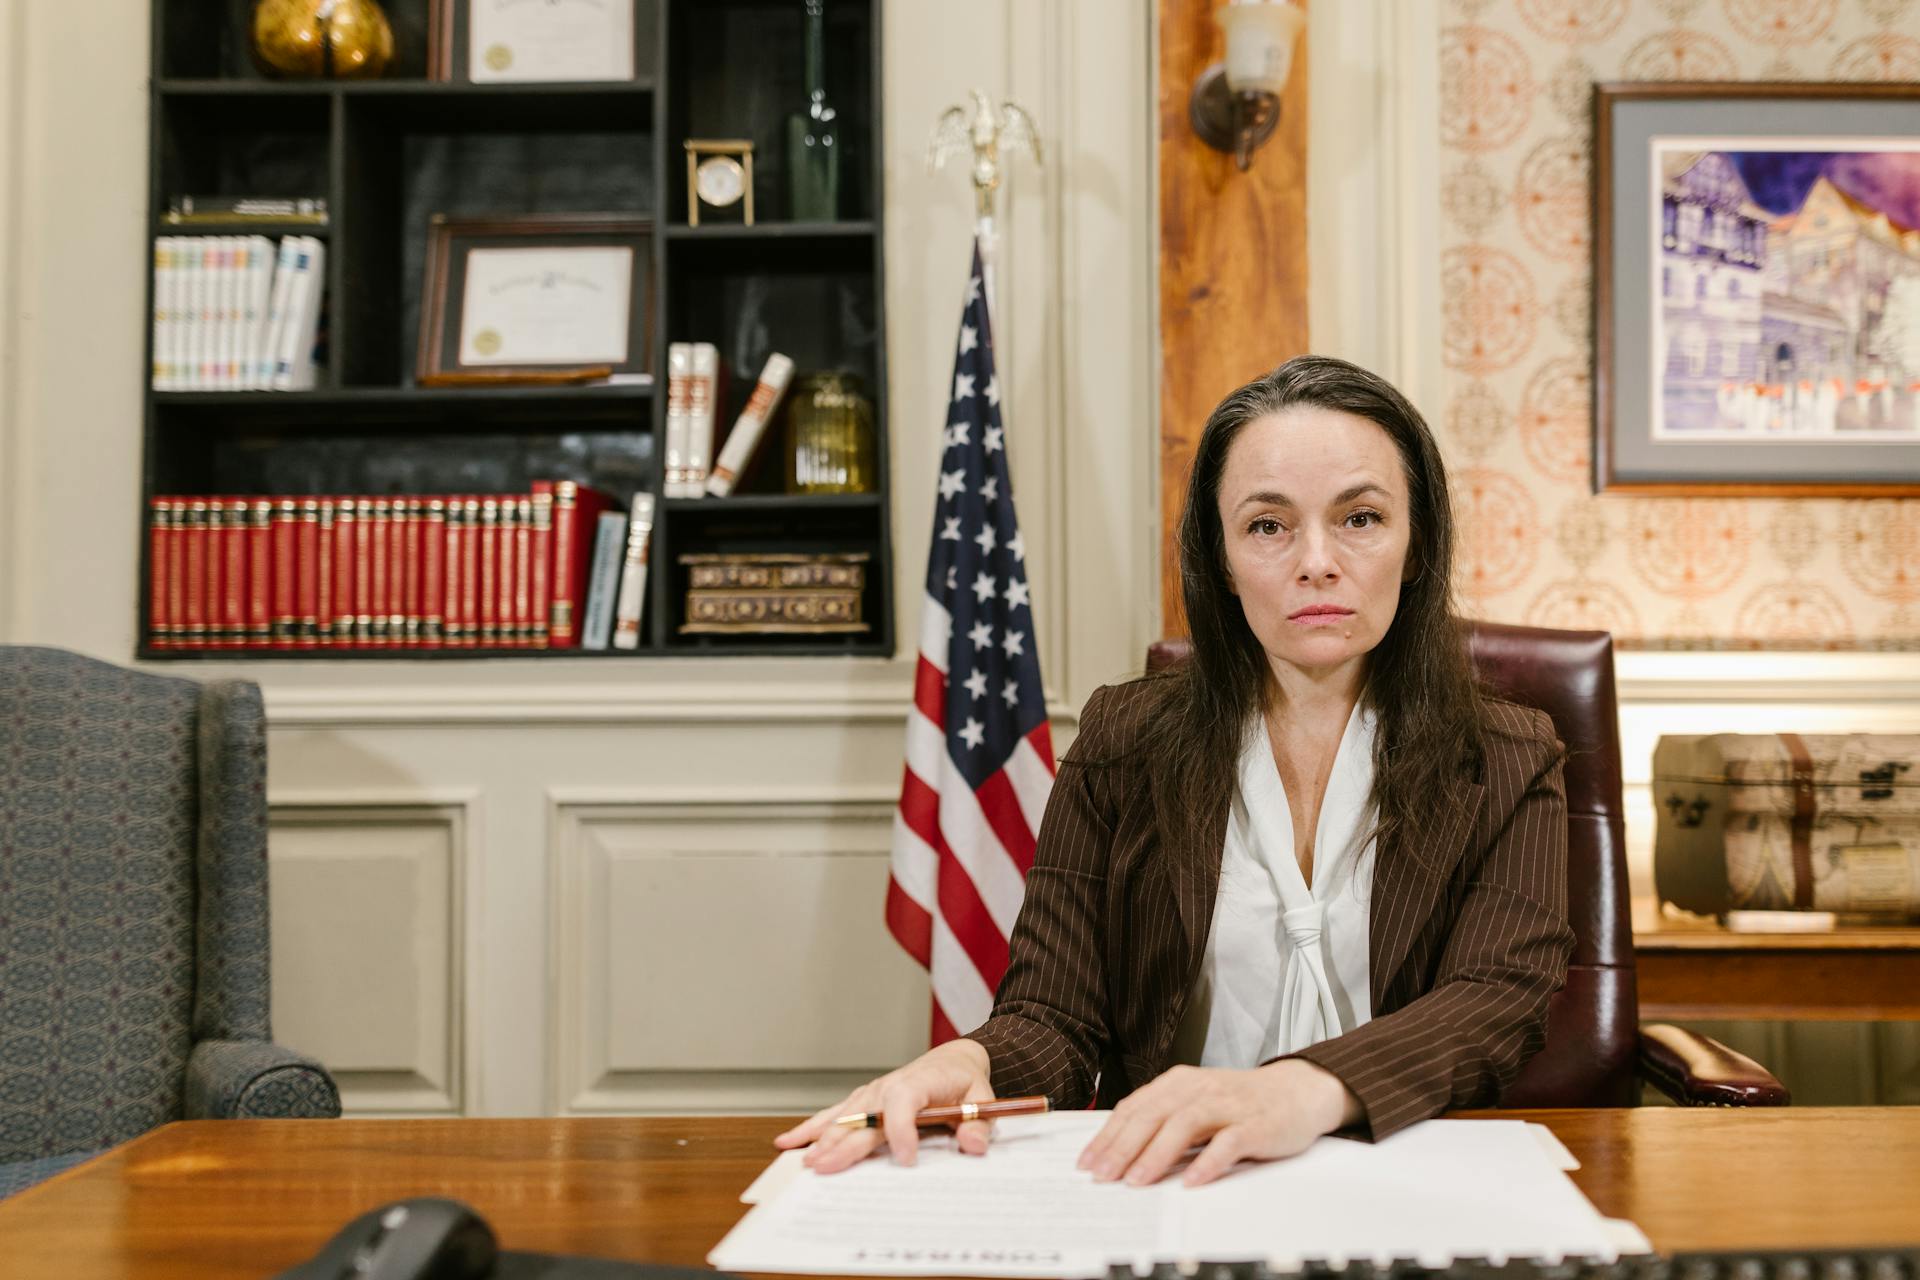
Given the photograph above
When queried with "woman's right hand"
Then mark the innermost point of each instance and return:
(957, 1071)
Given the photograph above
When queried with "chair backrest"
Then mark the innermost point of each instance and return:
(133, 913)
(1593, 1022)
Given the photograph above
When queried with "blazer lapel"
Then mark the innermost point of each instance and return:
(1408, 878)
(1194, 858)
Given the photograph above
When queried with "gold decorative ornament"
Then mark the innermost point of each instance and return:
(322, 39)
(830, 445)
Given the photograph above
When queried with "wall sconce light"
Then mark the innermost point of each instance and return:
(1236, 103)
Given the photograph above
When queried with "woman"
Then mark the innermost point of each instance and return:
(1309, 880)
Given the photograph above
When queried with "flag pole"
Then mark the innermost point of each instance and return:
(985, 232)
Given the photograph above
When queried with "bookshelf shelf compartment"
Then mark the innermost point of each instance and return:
(388, 154)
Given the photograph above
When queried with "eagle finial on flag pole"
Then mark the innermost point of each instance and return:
(982, 131)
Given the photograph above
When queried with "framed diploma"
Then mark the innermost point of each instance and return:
(504, 41)
(537, 296)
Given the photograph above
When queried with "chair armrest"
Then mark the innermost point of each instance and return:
(1697, 1071)
(257, 1080)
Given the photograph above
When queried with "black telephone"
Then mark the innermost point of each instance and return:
(434, 1239)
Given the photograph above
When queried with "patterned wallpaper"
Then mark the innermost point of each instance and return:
(1539, 547)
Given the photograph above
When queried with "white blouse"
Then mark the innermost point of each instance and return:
(1286, 964)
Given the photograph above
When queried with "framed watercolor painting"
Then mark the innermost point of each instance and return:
(1757, 289)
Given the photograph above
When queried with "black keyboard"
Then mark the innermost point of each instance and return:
(1893, 1263)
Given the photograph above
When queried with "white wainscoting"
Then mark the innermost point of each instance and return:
(720, 953)
(369, 946)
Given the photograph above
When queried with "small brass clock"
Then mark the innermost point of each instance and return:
(719, 176)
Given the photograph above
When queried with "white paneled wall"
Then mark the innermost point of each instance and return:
(370, 898)
(722, 951)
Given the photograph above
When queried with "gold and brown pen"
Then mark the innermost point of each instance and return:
(954, 1115)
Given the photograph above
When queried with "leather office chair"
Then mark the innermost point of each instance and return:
(1596, 1051)
(133, 912)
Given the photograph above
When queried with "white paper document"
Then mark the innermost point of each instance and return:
(1436, 1191)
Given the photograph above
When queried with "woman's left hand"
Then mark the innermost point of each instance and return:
(1264, 1114)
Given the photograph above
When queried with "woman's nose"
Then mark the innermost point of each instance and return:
(1317, 561)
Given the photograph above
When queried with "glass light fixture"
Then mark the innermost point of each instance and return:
(1236, 103)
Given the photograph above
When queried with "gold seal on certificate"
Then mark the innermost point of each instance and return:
(535, 297)
(549, 40)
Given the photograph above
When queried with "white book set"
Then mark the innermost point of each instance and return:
(236, 313)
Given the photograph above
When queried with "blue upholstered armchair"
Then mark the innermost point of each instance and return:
(133, 912)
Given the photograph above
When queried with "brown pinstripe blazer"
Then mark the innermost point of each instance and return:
(1468, 931)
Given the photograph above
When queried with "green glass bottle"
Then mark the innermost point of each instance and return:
(813, 135)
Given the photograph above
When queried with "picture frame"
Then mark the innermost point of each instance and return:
(1756, 289)
(537, 297)
(554, 42)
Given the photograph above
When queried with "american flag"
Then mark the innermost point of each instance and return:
(979, 755)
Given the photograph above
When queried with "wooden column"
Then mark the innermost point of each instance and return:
(1233, 260)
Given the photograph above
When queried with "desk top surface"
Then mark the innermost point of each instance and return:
(247, 1199)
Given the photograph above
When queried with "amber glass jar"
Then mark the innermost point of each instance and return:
(829, 435)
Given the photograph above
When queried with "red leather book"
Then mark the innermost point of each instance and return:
(259, 535)
(470, 571)
(506, 635)
(159, 537)
(409, 512)
(215, 571)
(576, 511)
(233, 582)
(283, 537)
(523, 572)
(321, 629)
(433, 572)
(379, 511)
(176, 571)
(453, 631)
(362, 572)
(194, 598)
(303, 631)
(488, 618)
(346, 573)
(540, 564)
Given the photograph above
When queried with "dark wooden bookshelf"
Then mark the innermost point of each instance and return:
(389, 153)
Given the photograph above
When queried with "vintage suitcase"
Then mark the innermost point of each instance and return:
(1812, 822)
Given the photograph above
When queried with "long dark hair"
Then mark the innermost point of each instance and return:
(1419, 679)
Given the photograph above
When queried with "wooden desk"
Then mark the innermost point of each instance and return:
(1700, 970)
(245, 1199)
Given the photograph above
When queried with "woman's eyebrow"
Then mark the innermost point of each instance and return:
(1265, 498)
(1274, 498)
(1365, 486)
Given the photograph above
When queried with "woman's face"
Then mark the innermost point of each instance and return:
(1313, 504)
